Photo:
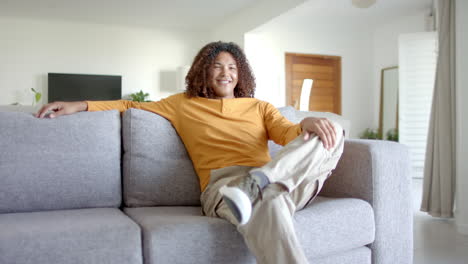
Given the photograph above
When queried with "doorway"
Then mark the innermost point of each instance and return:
(325, 71)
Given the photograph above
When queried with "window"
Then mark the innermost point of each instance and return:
(417, 67)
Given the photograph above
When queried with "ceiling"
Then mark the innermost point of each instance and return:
(180, 14)
(341, 13)
(198, 14)
(380, 12)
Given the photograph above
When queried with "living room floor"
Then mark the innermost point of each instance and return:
(436, 240)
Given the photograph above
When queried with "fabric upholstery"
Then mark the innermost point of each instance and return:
(329, 226)
(62, 163)
(171, 234)
(360, 255)
(74, 162)
(183, 235)
(157, 168)
(378, 172)
(91, 236)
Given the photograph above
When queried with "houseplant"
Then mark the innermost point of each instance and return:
(139, 96)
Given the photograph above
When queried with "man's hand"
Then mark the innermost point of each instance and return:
(322, 127)
(61, 108)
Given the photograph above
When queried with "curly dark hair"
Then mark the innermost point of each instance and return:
(197, 78)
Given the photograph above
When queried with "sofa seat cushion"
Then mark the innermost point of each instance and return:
(183, 235)
(104, 235)
(331, 225)
(362, 255)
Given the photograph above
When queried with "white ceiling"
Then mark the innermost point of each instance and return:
(199, 14)
(343, 14)
(381, 11)
(182, 14)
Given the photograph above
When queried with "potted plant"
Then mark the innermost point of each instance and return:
(139, 96)
(37, 96)
(370, 134)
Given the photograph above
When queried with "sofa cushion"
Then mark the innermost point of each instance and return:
(62, 163)
(362, 255)
(103, 235)
(332, 225)
(157, 168)
(183, 235)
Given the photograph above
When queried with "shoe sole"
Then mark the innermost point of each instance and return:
(238, 202)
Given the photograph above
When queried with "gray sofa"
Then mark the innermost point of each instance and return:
(101, 188)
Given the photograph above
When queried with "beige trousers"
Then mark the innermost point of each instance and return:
(297, 174)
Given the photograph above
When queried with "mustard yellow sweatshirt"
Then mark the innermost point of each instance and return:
(218, 132)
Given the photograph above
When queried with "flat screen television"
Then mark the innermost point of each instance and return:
(79, 87)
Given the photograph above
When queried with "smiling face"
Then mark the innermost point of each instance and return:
(223, 75)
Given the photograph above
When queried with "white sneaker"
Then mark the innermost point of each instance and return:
(239, 195)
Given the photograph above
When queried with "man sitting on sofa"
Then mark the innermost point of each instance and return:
(226, 132)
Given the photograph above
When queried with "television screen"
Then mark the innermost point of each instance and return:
(79, 87)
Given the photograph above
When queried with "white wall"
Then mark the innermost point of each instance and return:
(146, 58)
(266, 50)
(385, 49)
(365, 50)
(461, 213)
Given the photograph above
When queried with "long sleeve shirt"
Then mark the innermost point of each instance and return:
(218, 133)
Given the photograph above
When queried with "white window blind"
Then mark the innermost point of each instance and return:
(417, 67)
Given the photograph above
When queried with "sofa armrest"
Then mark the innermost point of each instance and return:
(380, 173)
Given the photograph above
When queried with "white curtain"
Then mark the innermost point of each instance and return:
(439, 171)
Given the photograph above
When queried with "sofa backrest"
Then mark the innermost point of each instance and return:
(157, 169)
(63, 163)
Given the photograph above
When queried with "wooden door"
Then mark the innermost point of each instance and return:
(326, 88)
